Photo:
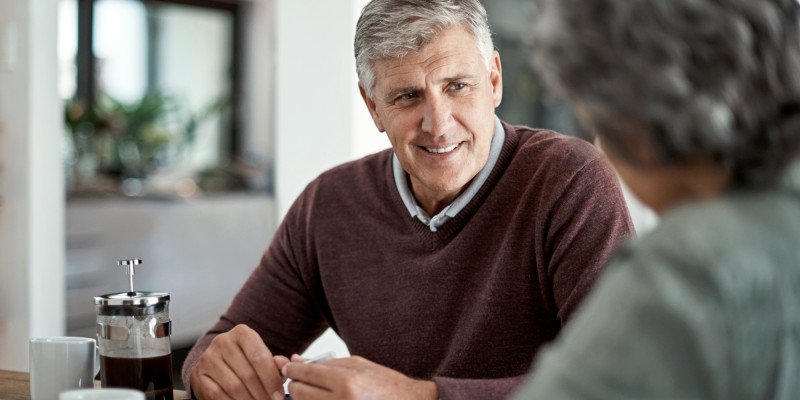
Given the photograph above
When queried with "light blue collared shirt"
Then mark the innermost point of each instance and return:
(401, 180)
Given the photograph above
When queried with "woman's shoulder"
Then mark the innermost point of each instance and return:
(739, 250)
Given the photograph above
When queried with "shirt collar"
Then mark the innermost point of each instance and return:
(401, 180)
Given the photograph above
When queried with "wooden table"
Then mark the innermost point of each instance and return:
(16, 386)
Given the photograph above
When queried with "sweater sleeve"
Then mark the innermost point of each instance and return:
(587, 221)
(279, 300)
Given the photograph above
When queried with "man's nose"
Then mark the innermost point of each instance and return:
(437, 116)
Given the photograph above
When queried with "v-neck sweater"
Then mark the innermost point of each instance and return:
(467, 306)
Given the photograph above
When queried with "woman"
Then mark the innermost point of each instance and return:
(697, 105)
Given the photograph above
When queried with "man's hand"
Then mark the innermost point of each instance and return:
(237, 366)
(352, 378)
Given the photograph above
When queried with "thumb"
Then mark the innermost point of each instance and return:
(280, 361)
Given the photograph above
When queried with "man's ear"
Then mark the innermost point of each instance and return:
(371, 107)
(496, 78)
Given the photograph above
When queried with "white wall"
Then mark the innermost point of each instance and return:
(32, 220)
(320, 119)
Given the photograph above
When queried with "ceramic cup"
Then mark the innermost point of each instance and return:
(102, 394)
(61, 363)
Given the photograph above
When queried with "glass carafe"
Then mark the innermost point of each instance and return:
(133, 331)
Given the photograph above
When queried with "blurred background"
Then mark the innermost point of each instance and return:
(179, 132)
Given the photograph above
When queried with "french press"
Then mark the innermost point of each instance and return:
(133, 330)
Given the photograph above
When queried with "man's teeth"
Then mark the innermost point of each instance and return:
(443, 149)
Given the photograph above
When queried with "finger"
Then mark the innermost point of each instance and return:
(319, 375)
(280, 361)
(212, 375)
(224, 377)
(347, 362)
(303, 391)
(260, 358)
(208, 389)
(298, 358)
(236, 360)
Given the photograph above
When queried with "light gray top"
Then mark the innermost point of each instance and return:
(707, 306)
(401, 180)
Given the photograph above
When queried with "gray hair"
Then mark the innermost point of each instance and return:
(393, 28)
(719, 78)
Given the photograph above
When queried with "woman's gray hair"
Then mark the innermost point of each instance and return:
(393, 28)
(716, 78)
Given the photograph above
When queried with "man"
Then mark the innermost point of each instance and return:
(443, 263)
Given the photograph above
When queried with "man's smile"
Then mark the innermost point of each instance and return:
(441, 149)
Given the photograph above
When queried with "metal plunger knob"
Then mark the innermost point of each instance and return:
(129, 267)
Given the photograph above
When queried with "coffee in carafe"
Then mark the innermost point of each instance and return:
(133, 330)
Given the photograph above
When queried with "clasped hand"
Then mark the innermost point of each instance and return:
(238, 365)
(350, 378)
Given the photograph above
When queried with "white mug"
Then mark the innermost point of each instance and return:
(61, 363)
(102, 394)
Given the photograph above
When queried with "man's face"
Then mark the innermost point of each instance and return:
(437, 108)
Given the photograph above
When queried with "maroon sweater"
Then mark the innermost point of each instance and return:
(467, 306)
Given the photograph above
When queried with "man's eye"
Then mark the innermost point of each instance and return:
(406, 98)
(458, 86)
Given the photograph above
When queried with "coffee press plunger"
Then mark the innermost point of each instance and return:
(133, 330)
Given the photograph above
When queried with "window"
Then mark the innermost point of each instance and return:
(151, 91)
